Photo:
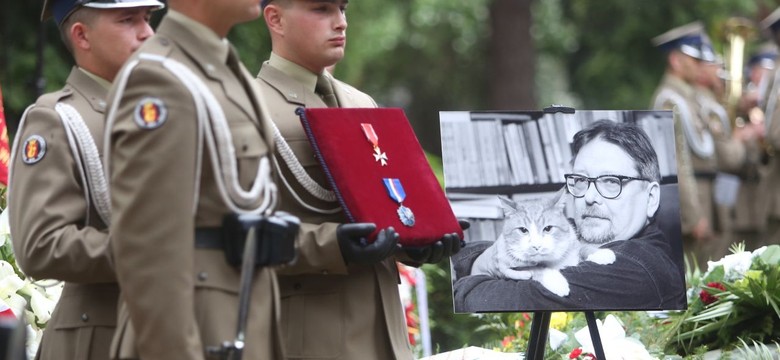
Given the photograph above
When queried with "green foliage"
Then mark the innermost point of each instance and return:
(746, 309)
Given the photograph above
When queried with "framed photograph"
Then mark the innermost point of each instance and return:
(568, 212)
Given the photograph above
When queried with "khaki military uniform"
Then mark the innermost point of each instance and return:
(177, 299)
(772, 184)
(695, 173)
(56, 232)
(731, 155)
(330, 310)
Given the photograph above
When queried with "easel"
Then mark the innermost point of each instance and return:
(540, 326)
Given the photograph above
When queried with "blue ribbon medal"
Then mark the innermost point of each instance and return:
(397, 193)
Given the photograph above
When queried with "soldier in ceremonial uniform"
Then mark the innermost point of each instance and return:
(749, 215)
(771, 25)
(187, 144)
(340, 300)
(696, 161)
(731, 137)
(57, 201)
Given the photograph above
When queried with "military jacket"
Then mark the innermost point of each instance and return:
(55, 229)
(329, 310)
(178, 300)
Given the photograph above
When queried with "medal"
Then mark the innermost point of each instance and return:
(379, 156)
(397, 193)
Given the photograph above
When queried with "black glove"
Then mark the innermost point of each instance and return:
(355, 248)
(447, 246)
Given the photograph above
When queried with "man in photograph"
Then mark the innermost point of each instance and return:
(615, 186)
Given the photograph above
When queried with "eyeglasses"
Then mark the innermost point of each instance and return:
(609, 186)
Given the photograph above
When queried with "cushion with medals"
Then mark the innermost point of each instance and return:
(379, 172)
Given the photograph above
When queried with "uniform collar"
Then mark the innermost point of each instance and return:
(676, 82)
(307, 78)
(209, 40)
(102, 82)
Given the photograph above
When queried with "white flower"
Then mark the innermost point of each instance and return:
(5, 229)
(557, 338)
(734, 265)
(41, 305)
(614, 341)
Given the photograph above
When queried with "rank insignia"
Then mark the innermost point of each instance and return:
(396, 192)
(150, 113)
(372, 137)
(34, 149)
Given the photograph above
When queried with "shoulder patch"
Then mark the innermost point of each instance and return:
(34, 149)
(150, 113)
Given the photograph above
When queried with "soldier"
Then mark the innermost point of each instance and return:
(730, 145)
(57, 201)
(749, 216)
(187, 145)
(696, 162)
(340, 300)
(771, 25)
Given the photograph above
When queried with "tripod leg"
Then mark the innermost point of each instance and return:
(540, 327)
(594, 334)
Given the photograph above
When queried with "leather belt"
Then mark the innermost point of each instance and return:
(209, 238)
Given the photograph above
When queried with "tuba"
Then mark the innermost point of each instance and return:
(737, 31)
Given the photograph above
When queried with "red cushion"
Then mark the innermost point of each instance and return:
(347, 157)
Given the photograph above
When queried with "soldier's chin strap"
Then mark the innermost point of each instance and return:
(262, 196)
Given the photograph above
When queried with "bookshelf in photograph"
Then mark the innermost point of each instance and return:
(513, 153)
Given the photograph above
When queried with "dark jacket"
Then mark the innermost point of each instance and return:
(644, 276)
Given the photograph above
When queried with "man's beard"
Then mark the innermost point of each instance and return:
(591, 227)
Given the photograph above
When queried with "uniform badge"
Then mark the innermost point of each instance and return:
(34, 149)
(396, 192)
(373, 138)
(150, 113)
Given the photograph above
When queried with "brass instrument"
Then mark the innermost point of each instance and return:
(736, 31)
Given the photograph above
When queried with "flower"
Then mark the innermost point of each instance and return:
(736, 303)
(32, 301)
(707, 297)
(614, 341)
(575, 353)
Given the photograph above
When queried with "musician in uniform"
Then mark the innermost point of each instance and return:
(58, 204)
(187, 145)
(340, 300)
(771, 25)
(732, 138)
(750, 213)
(696, 161)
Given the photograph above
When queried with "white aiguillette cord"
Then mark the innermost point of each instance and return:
(703, 148)
(303, 178)
(219, 143)
(85, 152)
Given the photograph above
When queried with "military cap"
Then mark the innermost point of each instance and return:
(263, 3)
(771, 22)
(765, 56)
(61, 9)
(688, 39)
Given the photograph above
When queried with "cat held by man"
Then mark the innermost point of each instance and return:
(537, 241)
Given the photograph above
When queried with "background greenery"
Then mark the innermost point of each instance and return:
(432, 55)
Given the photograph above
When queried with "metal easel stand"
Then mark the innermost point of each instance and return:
(540, 327)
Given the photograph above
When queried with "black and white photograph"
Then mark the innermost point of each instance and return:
(568, 211)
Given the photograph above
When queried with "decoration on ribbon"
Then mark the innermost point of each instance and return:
(372, 137)
(397, 193)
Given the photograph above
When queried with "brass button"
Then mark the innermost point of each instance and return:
(84, 317)
(202, 276)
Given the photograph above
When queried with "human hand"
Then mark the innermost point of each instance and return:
(701, 232)
(355, 249)
(447, 246)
